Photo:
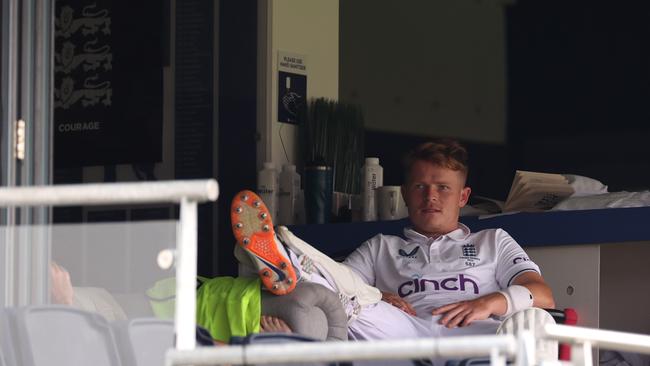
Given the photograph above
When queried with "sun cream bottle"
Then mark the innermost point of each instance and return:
(267, 188)
(373, 178)
(289, 190)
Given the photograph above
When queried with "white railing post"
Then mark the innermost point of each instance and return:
(525, 349)
(186, 256)
(496, 358)
(581, 354)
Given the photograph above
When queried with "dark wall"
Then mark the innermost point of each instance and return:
(194, 113)
(578, 89)
(237, 115)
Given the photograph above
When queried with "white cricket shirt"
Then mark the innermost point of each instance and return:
(432, 272)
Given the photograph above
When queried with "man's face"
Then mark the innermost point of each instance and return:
(434, 196)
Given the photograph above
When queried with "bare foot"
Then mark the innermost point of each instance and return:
(60, 285)
(271, 324)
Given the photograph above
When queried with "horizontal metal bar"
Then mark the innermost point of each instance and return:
(403, 349)
(607, 339)
(110, 193)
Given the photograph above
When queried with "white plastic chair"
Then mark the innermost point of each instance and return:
(144, 341)
(61, 336)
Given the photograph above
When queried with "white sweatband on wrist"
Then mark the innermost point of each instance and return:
(518, 298)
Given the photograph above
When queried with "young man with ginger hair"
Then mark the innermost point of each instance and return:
(455, 275)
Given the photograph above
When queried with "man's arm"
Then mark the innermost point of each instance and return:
(463, 313)
(542, 295)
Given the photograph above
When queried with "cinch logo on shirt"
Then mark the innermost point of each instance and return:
(422, 284)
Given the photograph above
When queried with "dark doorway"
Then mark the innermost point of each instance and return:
(578, 89)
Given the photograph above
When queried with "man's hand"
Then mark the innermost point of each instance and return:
(463, 313)
(397, 302)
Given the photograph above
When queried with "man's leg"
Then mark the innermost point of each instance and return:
(278, 266)
(478, 327)
(384, 321)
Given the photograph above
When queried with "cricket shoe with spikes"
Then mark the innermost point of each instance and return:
(253, 229)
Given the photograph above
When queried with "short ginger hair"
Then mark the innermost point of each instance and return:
(446, 153)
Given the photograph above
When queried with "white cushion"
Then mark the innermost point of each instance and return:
(585, 186)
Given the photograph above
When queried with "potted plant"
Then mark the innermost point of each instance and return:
(333, 146)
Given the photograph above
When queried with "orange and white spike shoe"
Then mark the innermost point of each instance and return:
(253, 229)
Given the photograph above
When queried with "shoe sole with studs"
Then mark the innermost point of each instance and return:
(253, 229)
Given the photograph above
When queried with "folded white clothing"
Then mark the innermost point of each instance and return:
(607, 200)
(346, 280)
(585, 186)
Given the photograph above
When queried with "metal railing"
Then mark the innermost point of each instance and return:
(186, 193)
(583, 339)
(521, 349)
(497, 347)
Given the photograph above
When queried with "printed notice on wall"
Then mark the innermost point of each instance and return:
(292, 86)
(292, 62)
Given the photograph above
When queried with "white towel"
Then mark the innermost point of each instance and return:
(346, 280)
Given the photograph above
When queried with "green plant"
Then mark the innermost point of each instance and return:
(333, 134)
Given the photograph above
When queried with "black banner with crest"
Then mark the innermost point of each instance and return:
(108, 82)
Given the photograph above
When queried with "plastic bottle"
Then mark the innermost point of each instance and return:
(289, 190)
(267, 188)
(373, 177)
